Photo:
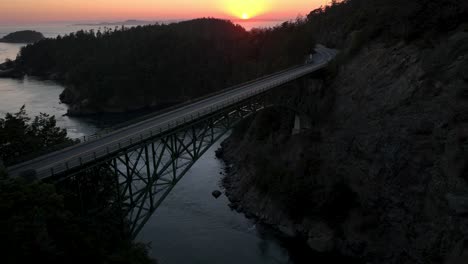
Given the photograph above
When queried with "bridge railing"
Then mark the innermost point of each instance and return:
(107, 131)
(21, 161)
(146, 117)
(152, 132)
(134, 139)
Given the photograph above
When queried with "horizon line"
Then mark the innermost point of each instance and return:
(174, 20)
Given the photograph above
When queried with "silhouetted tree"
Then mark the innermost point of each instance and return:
(20, 136)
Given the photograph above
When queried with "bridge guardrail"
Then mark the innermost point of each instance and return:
(105, 132)
(143, 135)
(59, 148)
(151, 132)
(142, 118)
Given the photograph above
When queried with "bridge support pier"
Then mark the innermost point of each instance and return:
(301, 122)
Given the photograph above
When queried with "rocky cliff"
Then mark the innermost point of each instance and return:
(383, 172)
(80, 105)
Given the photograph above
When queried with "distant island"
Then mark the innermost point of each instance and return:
(119, 23)
(25, 36)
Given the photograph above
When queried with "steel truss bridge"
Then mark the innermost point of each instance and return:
(147, 159)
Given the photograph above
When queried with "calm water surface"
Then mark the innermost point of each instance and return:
(42, 97)
(190, 226)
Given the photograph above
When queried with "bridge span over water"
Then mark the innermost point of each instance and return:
(149, 157)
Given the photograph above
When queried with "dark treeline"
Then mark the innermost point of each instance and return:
(160, 64)
(73, 221)
(21, 136)
(42, 222)
(349, 24)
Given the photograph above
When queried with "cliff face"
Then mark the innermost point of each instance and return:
(383, 173)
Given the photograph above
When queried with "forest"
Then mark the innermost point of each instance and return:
(57, 222)
(147, 66)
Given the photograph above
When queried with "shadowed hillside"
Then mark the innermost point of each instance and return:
(382, 174)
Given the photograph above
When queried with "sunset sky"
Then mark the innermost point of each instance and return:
(24, 11)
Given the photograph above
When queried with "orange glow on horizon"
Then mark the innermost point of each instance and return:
(245, 9)
(27, 11)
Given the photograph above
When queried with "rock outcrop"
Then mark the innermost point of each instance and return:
(383, 173)
(8, 70)
(81, 105)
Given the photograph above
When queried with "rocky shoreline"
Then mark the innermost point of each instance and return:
(8, 70)
(313, 238)
(249, 207)
(264, 210)
(78, 106)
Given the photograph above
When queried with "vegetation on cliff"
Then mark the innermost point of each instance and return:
(382, 174)
(349, 25)
(358, 21)
(154, 65)
(25, 36)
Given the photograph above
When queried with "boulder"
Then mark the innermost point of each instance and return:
(216, 194)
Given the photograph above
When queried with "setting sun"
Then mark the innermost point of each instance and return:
(28, 11)
(245, 9)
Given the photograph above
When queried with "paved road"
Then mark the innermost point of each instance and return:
(59, 161)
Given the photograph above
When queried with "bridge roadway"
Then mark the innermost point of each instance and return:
(79, 154)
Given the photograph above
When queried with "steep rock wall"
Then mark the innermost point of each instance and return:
(383, 172)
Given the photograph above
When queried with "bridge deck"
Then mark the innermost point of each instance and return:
(77, 155)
